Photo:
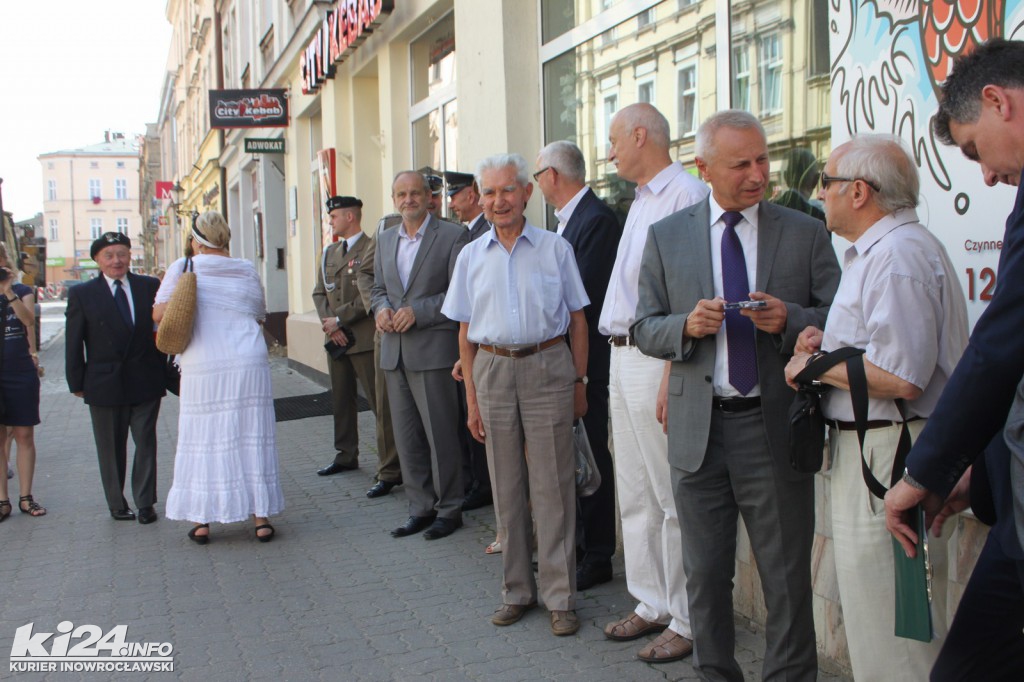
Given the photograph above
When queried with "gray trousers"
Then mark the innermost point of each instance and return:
(110, 426)
(526, 405)
(740, 477)
(425, 410)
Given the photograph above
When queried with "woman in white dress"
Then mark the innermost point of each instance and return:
(225, 469)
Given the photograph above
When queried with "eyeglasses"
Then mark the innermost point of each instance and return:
(826, 179)
(536, 176)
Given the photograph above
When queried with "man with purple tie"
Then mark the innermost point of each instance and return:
(725, 398)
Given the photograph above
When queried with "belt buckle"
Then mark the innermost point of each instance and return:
(516, 353)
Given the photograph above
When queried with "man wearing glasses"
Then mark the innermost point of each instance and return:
(899, 299)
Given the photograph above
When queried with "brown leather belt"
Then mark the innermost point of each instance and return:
(732, 405)
(871, 424)
(619, 341)
(520, 351)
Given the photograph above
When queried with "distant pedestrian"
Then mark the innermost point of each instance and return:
(225, 469)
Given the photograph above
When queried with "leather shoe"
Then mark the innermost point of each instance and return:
(564, 623)
(122, 514)
(590, 574)
(507, 614)
(334, 468)
(477, 498)
(666, 647)
(414, 524)
(442, 528)
(381, 488)
(147, 515)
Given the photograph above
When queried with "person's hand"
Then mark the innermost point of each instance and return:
(770, 319)
(474, 422)
(899, 505)
(796, 364)
(78, 394)
(329, 324)
(579, 400)
(705, 318)
(385, 323)
(959, 499)
(457, 370)
(661, 404)
(809, 341)
(338, 337)
(404, 319)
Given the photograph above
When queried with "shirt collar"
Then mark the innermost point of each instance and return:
(876, 232)
(665, 176)
(111, 280)
(530, 234)
(419, 233)
(565, 213)
(749, 213)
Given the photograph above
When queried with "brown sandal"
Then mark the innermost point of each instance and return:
(631, 627)
(668, 646)
(5, 509)
(33, 508)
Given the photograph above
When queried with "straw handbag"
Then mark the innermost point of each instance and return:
(175, 330)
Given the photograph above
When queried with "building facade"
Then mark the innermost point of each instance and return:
(87, 192)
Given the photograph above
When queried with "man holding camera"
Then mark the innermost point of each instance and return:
(901, 301)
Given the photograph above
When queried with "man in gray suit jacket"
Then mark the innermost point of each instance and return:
(419, 345)
(727, 398)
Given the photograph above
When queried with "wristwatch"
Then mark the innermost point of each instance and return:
(582, 380)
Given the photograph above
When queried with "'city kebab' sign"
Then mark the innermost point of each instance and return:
(248, 109)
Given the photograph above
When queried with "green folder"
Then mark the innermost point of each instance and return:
(913, 585)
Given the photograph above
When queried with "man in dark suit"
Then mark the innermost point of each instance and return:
(464, 203)
(340, 305)
(111, 361)
(412, 270)
(727, 395)
(982, 112)
(592, 229)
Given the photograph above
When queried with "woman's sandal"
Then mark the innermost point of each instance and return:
(5, 509)
(33, 507)
(199, 539)
(493, 548)
(266, 537)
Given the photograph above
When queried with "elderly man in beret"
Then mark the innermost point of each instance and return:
(112, 362)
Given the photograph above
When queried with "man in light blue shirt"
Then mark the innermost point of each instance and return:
(515, 292)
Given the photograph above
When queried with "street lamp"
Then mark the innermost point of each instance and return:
(176, 196)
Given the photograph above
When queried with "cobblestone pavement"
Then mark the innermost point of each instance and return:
(334, 597)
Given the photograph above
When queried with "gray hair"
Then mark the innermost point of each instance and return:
(426, 185)
(644, 115)
(566, 158)
(499, 161)
(704, 143)
(885, 161)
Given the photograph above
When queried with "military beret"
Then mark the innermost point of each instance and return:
(457, 181)
(343, 202)
(108, 239)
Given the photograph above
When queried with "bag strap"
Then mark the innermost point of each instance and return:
(859, 395)
(825, 363)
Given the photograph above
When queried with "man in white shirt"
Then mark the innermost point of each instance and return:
(639, 137)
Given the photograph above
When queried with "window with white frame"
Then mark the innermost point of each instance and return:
(95, 228)
(645, 19)
(741, 78)
(687, 98)
(683, 4)
(120, 188)
(433, 107)
(769, 65)
(54, 230)
(608, 109)
(122, 225)
(645, 91)
(120, 164)
(51, 190)
(94, 188)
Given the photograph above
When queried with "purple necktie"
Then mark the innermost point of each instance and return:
(739, 330)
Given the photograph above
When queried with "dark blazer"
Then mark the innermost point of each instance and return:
(345, 301)
(433, 342)
(795, 263)
(972, 411)
(110, 362)
(478, 227)
(594, 233)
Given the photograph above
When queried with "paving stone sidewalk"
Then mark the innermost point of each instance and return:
(334, 597)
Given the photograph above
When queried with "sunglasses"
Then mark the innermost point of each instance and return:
(826, 179)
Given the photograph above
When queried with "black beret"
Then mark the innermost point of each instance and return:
(108, 239)
(457, 181)
(343, 202)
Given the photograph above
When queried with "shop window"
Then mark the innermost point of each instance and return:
(433, 59)
(433, 109)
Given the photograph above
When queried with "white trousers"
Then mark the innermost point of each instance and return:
(651, 539)
(864, 563)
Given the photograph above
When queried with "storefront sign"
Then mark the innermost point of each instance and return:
(259, 145)
(164, 189)
(343, 29)
(55, 262)
(248, 109)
